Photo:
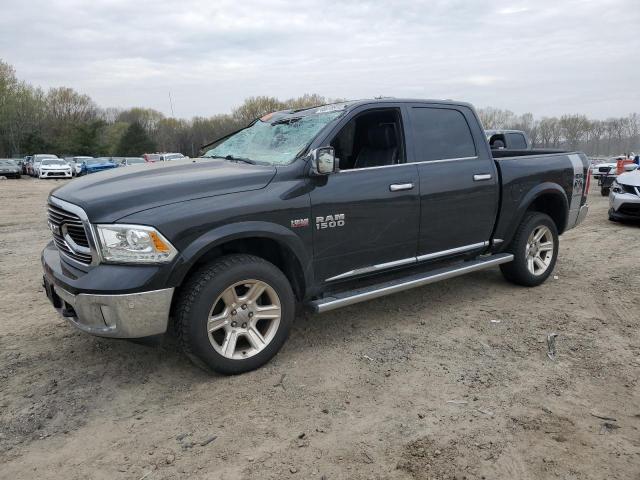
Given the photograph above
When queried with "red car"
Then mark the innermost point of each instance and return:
(151, 157)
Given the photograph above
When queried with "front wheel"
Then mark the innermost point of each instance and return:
(234, 314)
(535, 251)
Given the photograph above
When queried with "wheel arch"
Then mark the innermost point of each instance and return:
(271, 242)
(549, 198)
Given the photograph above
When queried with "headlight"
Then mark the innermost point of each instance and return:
(616, 187)
(133, 244)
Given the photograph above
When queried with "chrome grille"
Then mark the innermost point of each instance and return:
(69, 234)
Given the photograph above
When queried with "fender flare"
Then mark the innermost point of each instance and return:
(235, 231)
(546, 188)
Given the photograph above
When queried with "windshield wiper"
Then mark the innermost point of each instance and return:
(234, 159)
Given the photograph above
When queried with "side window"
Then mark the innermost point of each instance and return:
(516, 141)
(370, 139)
(441, 133)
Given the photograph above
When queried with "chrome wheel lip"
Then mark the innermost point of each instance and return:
(240, 316)
(539, 250)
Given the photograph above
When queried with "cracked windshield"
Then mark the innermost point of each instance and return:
(275, 142)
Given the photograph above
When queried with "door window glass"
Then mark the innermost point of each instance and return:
(441, 133)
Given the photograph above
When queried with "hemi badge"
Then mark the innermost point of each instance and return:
(299, 223)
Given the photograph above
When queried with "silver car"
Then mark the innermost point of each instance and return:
(624, 199)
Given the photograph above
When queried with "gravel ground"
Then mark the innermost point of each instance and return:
(446, 381)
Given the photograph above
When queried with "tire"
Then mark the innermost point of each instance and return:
(604, 191)
(519, 271)
(200, 305)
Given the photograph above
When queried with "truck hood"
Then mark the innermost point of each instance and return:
(630, 178)
(112, 194)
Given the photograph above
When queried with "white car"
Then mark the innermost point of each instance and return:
(167, 157)
(37, 158)
(624, 199)
(78, 163)
(54, 168)
(602, 169)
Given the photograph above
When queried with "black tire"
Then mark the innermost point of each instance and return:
(604, 191)
(196, 299)
(517, 271)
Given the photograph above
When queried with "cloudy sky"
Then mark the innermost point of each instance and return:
(540, 56)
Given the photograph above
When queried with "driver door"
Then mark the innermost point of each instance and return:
(366, 220)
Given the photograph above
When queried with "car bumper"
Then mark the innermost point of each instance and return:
(55, 174)
(103, 310)
(582, 214)
(624, 205)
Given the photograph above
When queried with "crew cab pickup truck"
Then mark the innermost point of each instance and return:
(508, 139)
(323, 207)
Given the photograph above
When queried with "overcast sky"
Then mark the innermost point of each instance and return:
(539, 56)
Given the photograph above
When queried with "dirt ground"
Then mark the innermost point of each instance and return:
(447, 381)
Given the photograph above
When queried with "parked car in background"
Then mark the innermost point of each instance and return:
(166, 157)
(508, 139)
(9, 168)
(35, 165)
(93, 165)
(151, 157)
(606, 180)
(77, 163)
(624, 199)
(54, 168)
(128, 161)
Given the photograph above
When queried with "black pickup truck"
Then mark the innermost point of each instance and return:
(322, 207)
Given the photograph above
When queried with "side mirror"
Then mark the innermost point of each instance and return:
(323, 161)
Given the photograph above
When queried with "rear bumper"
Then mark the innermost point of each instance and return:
(577, 216)
(582, 214)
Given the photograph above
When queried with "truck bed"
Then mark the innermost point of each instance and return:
(526, 173)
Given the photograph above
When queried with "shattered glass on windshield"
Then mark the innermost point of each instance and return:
(274, 143)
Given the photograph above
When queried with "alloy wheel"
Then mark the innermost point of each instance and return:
(539, 250)
(244, 319)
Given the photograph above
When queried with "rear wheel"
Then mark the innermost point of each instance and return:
(234, 314)
(535, 250)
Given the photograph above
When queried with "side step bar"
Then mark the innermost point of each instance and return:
(417, 280)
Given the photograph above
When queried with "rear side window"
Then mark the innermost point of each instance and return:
(440, 134)
(516, 141)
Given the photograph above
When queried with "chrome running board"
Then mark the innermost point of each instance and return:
(416, 280)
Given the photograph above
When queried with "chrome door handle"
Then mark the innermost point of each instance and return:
(397, 187)
(481, 176)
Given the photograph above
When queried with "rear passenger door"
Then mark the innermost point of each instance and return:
(459, 189)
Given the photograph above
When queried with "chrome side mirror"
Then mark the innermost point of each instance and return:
(323, 161)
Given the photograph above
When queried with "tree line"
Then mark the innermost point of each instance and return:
(613, 136)
(67, 122)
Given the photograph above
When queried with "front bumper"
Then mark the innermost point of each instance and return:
(110, 300)
(624, 205)
(55, 174)
(131, 315)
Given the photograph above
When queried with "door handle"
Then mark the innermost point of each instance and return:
(481, 176)
(397, 187)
